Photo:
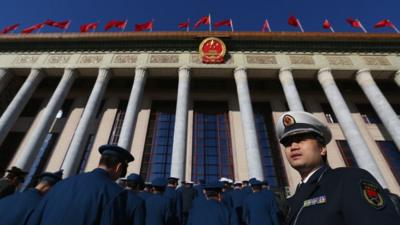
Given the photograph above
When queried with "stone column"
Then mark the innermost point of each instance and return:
(77, 145)
(290, 90)
(35, 140)
(382, 107)
(249, 128)
(5, 77)
(132, 110)
(178, 160)
(356, 141)
(397, 78)
(16, 106)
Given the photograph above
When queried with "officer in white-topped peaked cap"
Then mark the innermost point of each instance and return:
(328, 196)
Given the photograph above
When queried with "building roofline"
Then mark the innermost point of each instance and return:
(189, 41)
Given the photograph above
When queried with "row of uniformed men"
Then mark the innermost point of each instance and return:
(95, 198)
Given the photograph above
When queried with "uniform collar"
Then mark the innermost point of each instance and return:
(102, 172)
(315, 175)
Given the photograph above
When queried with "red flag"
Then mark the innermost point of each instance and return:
(89, 26)
(266, 26)
(223, 23)
(183, 25)
(326, 24)
(383, 23)
(203, 20)
(8, 29)
(62, 25)
(32, 28)
(121, 24)
(144, 26)
(354, 23)
(293, 21)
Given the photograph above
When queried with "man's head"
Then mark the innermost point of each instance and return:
(114, 160)
(134, 182)
(47, 180)
(16, 175)
(172, 182)
(304, 138)
(213, 190)
(159, 184)
(256, 185)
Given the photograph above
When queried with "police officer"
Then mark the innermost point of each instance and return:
(212, 211)
(15, 209)
(328, 196)
(237, 195)
(88, 198)
(258, 207)
(135, 203)
(187, 195)
(159, 207)
(172, 193)
(11, 181)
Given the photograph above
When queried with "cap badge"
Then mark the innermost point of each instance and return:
(288, 120)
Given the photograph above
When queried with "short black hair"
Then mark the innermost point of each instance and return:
(159, 189)
(212, 192)
(110, 161)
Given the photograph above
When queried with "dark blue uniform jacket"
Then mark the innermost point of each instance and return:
(158, 210)
(16, 209)
(212, 212)
(80, 200)
(260, 209)
(349, 196)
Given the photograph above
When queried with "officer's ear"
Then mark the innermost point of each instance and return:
(324, 152)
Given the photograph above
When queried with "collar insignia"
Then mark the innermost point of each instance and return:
(371, 193)
(315, 201)
(288, 120)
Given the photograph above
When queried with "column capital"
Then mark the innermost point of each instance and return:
(362, 71)
(184, 68)
(70, 68)
(104, 68)
(325, 69)
(286, 68)
(141, 68)
(240, 68)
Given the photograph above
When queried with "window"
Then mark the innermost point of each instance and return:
(32, 107)
(157, 153)
(392, 156)
(41, 159)
(118, 121)
(273, 168)
(329, 114)
(347, 154)
(368, 114)
(212, 150)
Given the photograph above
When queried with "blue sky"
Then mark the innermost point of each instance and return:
(247, 15)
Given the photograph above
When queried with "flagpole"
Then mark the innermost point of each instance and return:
(332, 30)
(152, 23)
(301, 27)
(269, 27)
(69, 22)
(209, 24)
(188, 24)
(126, 22)
(362, 27)
(231, 24)
(395, 28)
